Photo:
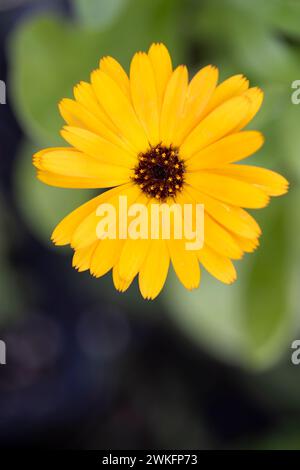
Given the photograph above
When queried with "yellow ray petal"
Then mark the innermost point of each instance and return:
(233, 86)
(231, 148)
(233, 191)
(101, 149)
(270, 182)
(120, 284)
(85, 96)
(173, 104)
(218, 266)
(105, 256)
(117, 105)
(256, 96)
(215, 236)
(199, 93)
(113, 69)
(70, 112)
(77, 115)
(68, 168)
(185, 263)
(154, 270)
(79, 182)
(162, 67)
(85, 233)
(247, 245)
(215, 126)
(231, 217)
(219, 239)
(134, 251)
(107, 252)
(144, 95)
(82, 258)
(132, 257)
(62, 235)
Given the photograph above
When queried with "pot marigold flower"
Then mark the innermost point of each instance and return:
(156, 137)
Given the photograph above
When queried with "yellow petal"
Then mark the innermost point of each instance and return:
(185, 263)
(217, 265)
(233, 86)
(132, 257)
(108, 251)
(117, 105)
(82, 258)
(216, 125)
(120, 284)
(85, 96)
(270, 182)
(233, 218)
(199, 93)
(113, 69)
(77, 115)
(154, 270)
(101, 149)
(69, 168)
(162, 67)
(230, 149)
(173, 104)
(105, 256)
(256, 96)
(230, 190)
(63, 233)
(247, 245)
(85, 233)
(144, 95)
(219, 239)
(134, 251)
(76, 182)
(215, 236)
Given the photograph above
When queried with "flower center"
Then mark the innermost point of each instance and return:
(159, 172)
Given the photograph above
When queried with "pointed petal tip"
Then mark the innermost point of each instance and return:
(157, 45)
(57, 240)
(36, 160)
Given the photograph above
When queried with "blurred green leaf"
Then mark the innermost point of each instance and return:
(264, 57)
(235, 34)
(45, 66)
(285, 16)
(269, 122)
(268, 318)
(293, 259)
(276, 96)
(274, 14)
(288, 131)
(42, 206)
(96, 14)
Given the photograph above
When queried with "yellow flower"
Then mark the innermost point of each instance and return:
(156, 137)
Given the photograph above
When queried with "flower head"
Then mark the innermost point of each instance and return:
(157, 138)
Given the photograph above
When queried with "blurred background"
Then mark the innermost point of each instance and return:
(87, 367)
